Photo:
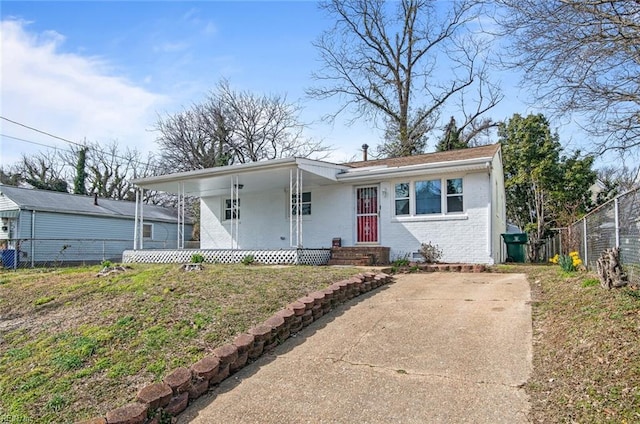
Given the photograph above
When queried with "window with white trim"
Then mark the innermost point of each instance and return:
(402, 199)
(147, 231)
(427, 197)
(231, 211)
(454, 195)
(304, 201)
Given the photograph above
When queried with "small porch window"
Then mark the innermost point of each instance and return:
(304, 201)
(231, 210)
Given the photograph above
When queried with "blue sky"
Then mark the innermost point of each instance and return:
(105, 70)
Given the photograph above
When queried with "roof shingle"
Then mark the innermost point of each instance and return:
(487, 151)
(53, 201)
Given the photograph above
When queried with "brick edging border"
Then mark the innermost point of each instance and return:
(157, 401)
(439, 268)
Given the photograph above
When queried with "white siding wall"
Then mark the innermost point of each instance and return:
(68, 237)
(463, 237)
(6, 205)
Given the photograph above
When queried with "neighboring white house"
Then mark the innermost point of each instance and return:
(44, 227)
(452, 199)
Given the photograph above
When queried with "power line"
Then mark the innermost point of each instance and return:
(40, 131)
(65, 140)
(34, 142)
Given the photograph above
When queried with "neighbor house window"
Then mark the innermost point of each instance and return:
(454, 195)
(402, 199)
(304, 202)
(147, 231)
(428, 197)
(230, 211)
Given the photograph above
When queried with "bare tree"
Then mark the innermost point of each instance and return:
(43, 171)
(403, 62)
(8, 177)
(109, 168)
(616, 180)
(581, 56)
(196, 138)
(233, 126)
(264, 127)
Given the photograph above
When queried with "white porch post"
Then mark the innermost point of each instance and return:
(295, 198)
(299, 208)
(180, 241)
(141, 234)
(235, 207)
(135, 221)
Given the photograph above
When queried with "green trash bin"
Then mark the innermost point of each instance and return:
(516, 246)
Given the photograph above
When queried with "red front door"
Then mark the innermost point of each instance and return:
(367, 214)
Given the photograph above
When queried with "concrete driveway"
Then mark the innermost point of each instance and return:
(430, 348)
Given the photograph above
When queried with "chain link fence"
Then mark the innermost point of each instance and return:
(40, 252)
(614, 224)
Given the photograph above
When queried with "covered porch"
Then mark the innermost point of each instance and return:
(233, 186)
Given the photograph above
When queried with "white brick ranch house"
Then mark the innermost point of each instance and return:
(452, 199)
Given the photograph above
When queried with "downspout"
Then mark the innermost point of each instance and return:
(490, 213)
(33, 237)
(490, 216)
(16, 243)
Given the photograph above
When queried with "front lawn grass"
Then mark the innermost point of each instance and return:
(74, 346)
(586, 349)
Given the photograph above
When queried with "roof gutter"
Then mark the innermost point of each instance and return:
(216, 172)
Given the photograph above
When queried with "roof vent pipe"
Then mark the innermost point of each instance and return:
(365, 147)
(95, 199)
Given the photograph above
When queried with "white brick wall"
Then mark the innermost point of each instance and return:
(264, 223)
(462, 237)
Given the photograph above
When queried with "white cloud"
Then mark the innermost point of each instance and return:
(209, 29)
(69, 95)
(171, 47)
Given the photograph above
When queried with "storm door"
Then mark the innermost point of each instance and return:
(367, 208)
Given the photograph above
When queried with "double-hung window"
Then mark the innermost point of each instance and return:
(231, 210)
(402, 199)
(304, 203)
(429, 197)
(454, 195)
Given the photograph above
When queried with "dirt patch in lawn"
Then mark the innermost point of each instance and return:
(74, 345)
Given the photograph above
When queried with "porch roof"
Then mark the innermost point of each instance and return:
(255, 176)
